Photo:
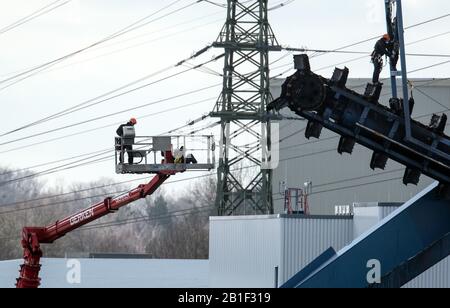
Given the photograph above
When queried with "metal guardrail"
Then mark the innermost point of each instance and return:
(164, 153)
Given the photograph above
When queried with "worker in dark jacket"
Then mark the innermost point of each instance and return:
(127, 147)
(383, 47)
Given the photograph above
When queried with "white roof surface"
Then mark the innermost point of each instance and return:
(110, 273)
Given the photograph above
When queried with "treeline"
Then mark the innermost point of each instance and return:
(164, 226)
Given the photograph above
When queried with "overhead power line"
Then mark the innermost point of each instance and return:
(111, 114)
(106, 96)
(193, 132)
(70, 135)
(162, 37)
(147, 218)
(40, 12)
(362, 52)
(378, 36)
(287, 137)
(204, 176)
(134, 26)
(358, 58)
(83, 161)
(365, 41)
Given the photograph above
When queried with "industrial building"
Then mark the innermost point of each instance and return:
(266, 251)
(245, 252)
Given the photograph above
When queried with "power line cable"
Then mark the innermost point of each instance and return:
(130, 47)
(148, 218)
(136, 25)
(60, 168)
(40, 12)
(114, 113)
(94, 101)
(204, 176)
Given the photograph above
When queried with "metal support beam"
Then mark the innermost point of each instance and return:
(391, 32)
(401, 38)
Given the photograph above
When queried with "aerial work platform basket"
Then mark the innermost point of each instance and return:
(143, 155)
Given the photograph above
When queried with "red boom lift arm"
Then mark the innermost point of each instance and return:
(33, 237)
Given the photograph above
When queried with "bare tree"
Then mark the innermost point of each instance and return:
(174, 228)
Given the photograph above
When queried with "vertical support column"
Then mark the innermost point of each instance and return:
(401, 39)
(390, 31)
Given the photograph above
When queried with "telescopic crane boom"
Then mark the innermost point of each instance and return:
(32, 238)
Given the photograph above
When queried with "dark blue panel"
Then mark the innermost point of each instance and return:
(313, 266)
(421, 222)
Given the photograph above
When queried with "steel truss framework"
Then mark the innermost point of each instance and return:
(245, 131)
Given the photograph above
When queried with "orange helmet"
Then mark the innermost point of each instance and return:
(387, 37)
(133, 121)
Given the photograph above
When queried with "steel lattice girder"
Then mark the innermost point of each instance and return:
(247, 39)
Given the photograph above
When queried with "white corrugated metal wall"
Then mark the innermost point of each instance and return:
(436, 277)
(244, 251)
(305, 239)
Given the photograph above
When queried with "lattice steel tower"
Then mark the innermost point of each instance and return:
(245, 130)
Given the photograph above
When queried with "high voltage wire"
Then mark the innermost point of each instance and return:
(82, 198)
(361, 52)
(148, 218)
(107, 158)
(79, 133)
(107, 116)
(56, 169)
(333, 50)
(409, 72)
(173, 182)
(365, 56)
(101, 127)
(373, 38)
(441, 105)
(204, 176)
(378, 36)
(103, 46)
(94, 101)
(51, 163)
(130, 47)
(136, 25)
(435, 65)
(42, 11)
(108, 38)
(136, 219)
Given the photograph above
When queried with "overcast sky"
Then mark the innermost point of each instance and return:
(316, 24)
